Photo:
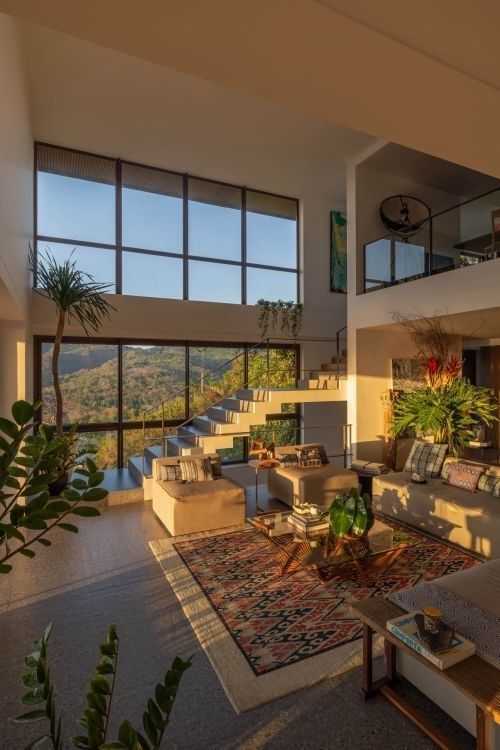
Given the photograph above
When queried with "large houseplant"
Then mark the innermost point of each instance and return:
(77, 297)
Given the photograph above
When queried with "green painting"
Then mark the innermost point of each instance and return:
(338, 253)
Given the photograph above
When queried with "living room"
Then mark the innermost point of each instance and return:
(227, 339)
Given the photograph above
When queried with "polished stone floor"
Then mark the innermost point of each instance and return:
(107, 574)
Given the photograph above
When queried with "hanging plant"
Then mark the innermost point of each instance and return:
(270, 312)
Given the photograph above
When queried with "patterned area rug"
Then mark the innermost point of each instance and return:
(268, 635)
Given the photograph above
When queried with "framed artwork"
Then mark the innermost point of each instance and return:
(338, 252)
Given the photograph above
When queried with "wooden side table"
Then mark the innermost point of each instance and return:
(478, 680)
(257, 466)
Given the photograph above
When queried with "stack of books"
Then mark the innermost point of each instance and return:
(308, 522)
(405, 627)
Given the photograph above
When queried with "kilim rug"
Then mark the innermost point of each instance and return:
(266, 635)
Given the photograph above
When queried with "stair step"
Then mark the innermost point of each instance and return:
(323, 375)
(238, 405)
(178, 446)
(210, 426)
(135, 466)
(314, 384)
(226, 416)
(253, 394)
(154, 451)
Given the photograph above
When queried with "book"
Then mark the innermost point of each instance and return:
(308, 523)
(405, 628)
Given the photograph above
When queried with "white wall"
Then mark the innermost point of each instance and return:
(16, 218)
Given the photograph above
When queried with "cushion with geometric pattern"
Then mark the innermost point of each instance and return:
(426, 458)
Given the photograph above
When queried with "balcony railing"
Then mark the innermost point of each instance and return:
(464, 235)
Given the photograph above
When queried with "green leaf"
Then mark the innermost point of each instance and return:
(155, 714)
(27, 553)
(113, 745)
(85, 511)
(68, 527)
(99, 684)
(12, 532)
(9, 428)
(4, 568)
(22, 412)
(127, 735)
(104, 668)
(96, 479)
(31, 660)
(31, 717)
(97, 701)
(45, 542)
(33, 697)
(14, 471)
(39, 742)
(71, 495)
(80, 741)
(29, 679)
(37, 524)
(79, 484)
(58, 506)
(95, 495)
(342, 512)
(149, 728)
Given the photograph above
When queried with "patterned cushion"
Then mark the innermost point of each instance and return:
(489, 483)
(309, 457)
(196, 469)
(288, 460)
(426, 459)
(170, 473)
(446, 467)
(465, 476)
(216, 464)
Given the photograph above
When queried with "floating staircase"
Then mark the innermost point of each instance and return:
(233, 417)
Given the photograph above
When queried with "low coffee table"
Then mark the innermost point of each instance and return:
(321, 553)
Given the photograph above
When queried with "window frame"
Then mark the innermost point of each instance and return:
(185, 254)
(121, 425)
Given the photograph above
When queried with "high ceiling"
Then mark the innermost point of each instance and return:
(458, 33)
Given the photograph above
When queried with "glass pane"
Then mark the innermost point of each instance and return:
(75, 209)
(409, 259)
(214, 220)
(271, 230)
(282, 368)
(152, 221)
(378, 267)
(133, 441)
(270, 285)
(236, 454)
(96, 261)
(277, 431)
(106, 445)
(215, 372)
(150, 374)
(88, 375)
(151, 276)
(214, 282)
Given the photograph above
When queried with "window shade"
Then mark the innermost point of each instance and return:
(271, 205)
(157, 181)
(214, 193)
(75, 164)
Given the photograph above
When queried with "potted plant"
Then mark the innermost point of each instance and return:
(351, 515)
(270, 313)
(77, 297)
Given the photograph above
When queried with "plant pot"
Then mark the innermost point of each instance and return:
(59, 484)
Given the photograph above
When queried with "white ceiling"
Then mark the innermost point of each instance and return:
(458, 33)
(90, 97)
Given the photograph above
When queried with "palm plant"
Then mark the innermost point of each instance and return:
(448, 413)
(77, 296)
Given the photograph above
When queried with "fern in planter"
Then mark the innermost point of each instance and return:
(351, 514)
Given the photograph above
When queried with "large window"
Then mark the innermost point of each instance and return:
(107, 386)
(155, 233)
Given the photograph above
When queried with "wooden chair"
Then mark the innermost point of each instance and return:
(490, 250)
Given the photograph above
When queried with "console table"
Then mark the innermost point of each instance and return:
(474, 677)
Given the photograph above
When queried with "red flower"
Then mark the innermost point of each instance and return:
(433, 365)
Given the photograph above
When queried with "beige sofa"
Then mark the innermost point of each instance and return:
(320, 485)
(470, 519)
(185, 508)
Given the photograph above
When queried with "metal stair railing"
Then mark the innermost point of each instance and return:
(262, 344)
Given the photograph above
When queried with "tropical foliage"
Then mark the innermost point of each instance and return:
(77, 297)
(351, 514)
(447, 411)
(96, 716)
(289, 313)
(28, 465)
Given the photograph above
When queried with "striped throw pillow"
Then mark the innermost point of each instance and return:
(426, 459)
(170, 473)
(489, 483)
(196, 469)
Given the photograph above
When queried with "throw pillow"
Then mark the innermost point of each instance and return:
(288, 460)
(196, 469)
(465, 476)
(426, 459)
(309, 457)
(216, 464)
(489, 483)
(170, 473)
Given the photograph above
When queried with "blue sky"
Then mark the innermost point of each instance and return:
(82, 210)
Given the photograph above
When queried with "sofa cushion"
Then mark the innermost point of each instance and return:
(426, 459)
(309, 458)
(196, 469)
(464, 475)
(288, 460)
(185, 491)
(283, 450)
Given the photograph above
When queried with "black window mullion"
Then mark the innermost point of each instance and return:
(244, 246)
(185, 234)
(186, 381)
(119, 447)
(118, 220)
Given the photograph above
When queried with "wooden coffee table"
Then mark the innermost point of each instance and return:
(476, 678)
(319, 553)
